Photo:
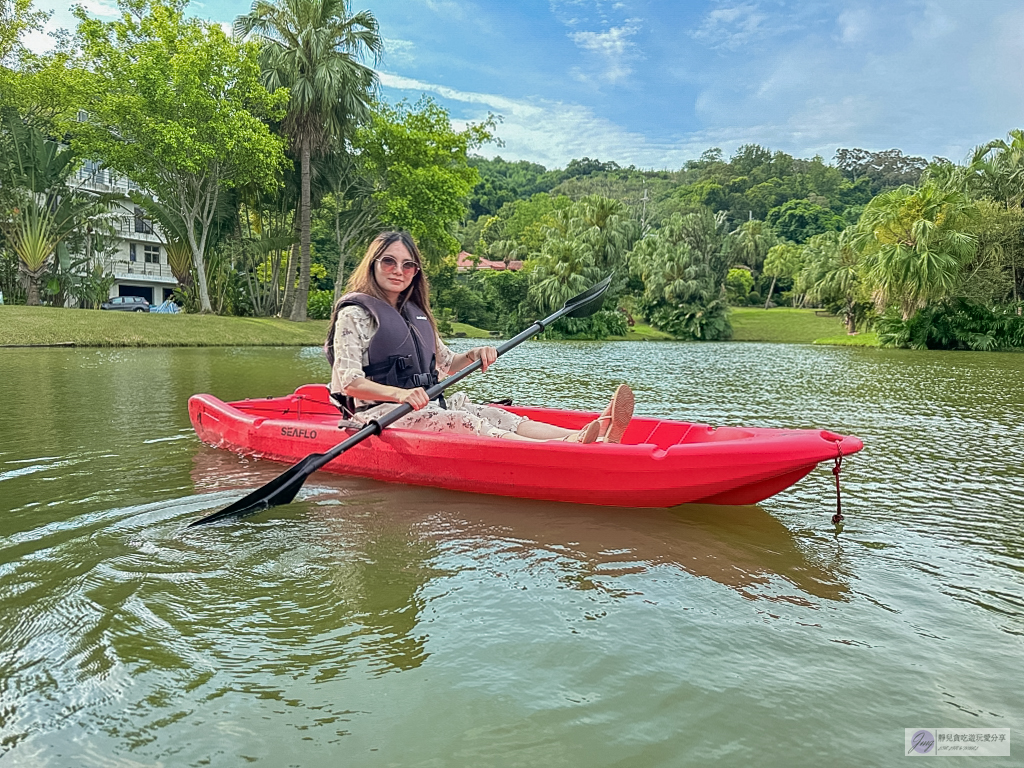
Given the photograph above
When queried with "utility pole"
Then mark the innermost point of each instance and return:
(644, 227)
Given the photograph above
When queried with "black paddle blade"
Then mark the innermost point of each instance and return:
(588, 302)
(281, 490)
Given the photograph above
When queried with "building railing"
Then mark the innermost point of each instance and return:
(136, 228)
(126, 270)
(104, 180)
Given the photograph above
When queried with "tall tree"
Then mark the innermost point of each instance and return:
(524, 222)
(420, 172)
(997, 171)
(314, 48)
(17, 18)
(40, 87)
(798, 220)
(754, 239)
(176, 106)
(350, 204)
(39, 211)
(884, 170)
(683, 266)
(783, 260)
(915, 243)
(831, 273)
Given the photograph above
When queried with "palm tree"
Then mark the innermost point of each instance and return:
(782, 260)
(915, 243)
(314, 48)
(40, 211)
(564, 268)
(683, 267)
(754, 239)
(997, 171)
(831, 272)
(608, 228)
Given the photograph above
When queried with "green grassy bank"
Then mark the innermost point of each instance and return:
(464, 330)
(639, 332)
(45, 326)
(860, 340)
(48, 326)
(784, 325)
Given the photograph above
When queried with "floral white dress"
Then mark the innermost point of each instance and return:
(354, 329)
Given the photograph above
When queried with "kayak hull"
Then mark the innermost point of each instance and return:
(660, 463)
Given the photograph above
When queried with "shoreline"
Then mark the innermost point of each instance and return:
(24, 327)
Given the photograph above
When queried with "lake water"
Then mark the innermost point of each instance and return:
(376, 625)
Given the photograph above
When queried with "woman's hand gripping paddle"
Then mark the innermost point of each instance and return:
(283, 488)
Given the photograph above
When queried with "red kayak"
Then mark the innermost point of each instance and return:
(660, 463)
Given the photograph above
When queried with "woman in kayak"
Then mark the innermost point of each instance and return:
(384, 348)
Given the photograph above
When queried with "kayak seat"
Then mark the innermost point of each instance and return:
(317, 393)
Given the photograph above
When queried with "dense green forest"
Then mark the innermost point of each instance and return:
(928, 253)
(269, 161)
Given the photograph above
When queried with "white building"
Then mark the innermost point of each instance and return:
(139, 261)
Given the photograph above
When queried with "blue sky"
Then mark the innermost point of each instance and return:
(655, 82)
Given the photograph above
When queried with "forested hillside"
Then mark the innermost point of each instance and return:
(931, 253)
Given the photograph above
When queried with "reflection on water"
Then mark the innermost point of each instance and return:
(743, 548)
(412, 626)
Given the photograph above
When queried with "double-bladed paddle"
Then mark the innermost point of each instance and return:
(283, 488)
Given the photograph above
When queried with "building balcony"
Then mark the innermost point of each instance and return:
(103, 180)
(134, 228)
(143, 271)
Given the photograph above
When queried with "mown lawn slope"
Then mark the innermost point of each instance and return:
(782, 324)
(42, 326)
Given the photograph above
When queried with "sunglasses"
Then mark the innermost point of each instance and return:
(390, 264)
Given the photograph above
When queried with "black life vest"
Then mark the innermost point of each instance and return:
(402, 351)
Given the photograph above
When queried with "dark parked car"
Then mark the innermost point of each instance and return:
(126, 304)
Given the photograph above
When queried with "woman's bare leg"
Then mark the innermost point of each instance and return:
(538, 430)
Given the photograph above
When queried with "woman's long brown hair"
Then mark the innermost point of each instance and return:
(364, 280)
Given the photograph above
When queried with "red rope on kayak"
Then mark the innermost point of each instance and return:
(837, 518)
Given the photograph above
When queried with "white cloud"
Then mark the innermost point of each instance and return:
(37, 42)
(605, 30)
(401, 83)
(932, 77)
(553, 133)
(399, 50)
(614, 46)
(614, 42)
(934, 22)
(733, 26)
